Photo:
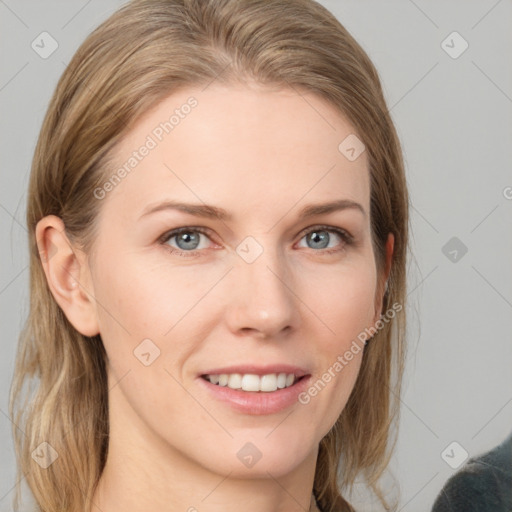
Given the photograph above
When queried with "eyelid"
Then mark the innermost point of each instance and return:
(346, 237)
(185, 229)
(208, 231)
(324, 227)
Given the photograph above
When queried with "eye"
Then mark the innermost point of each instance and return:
(319, 237)
(187, 240)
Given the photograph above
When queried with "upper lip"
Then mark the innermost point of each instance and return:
(258, 370)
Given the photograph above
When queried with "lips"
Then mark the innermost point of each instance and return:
(252, 389)
(259, 392)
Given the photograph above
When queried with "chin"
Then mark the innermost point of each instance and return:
(255, 454)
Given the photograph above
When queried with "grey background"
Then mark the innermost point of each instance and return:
(453, 117)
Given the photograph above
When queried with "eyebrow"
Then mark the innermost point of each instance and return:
(215, 212)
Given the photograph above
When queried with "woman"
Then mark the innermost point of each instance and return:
(218, 215)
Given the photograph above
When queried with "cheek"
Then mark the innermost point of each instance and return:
(142, 298)
(345, 308)
(344, 300)
(137, 301)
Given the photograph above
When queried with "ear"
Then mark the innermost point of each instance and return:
(381, 288)
(67, 274)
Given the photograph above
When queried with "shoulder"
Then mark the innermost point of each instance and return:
(484, 484)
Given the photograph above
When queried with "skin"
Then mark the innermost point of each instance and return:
(262, 155)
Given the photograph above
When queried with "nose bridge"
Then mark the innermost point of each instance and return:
(263, 300)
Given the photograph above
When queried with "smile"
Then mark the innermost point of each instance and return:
(253, 383)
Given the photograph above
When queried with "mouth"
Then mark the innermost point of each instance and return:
(256, 390)
(254, 383)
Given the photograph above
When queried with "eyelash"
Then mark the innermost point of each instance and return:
(344, 235)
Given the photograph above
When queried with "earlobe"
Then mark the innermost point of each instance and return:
(67, 275)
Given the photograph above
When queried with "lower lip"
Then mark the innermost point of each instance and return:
(257, 403)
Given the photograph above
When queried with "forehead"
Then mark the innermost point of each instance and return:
(245, 148)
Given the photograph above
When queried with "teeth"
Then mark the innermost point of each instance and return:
(250, 382)
(235, 381)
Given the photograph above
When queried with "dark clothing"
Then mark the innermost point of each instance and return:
(483, 484)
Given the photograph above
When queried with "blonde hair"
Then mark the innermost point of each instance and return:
(145, 51)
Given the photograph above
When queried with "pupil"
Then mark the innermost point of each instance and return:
(187, 238)
(318, 237)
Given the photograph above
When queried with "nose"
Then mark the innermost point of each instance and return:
(262, 302)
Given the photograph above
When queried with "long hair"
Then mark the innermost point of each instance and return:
(144, 52)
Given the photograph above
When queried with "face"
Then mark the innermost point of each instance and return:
(242, 294)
